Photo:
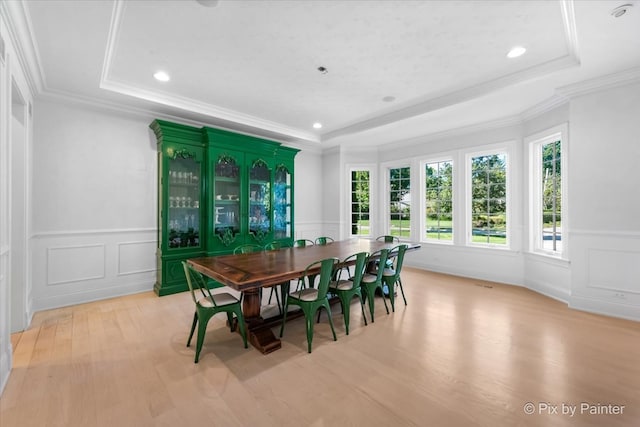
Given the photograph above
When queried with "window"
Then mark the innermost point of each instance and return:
(551, 196)
(439, 200)
(489, 199)
(360, 196)
(400, 202)
(546, 164)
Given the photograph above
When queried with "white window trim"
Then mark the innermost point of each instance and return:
(372, 168)
(487, 150)
(446, 157)
(534, 142)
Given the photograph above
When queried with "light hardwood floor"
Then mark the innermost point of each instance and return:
(462, 353)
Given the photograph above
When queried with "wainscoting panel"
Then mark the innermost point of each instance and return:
(136, 257)
(614, 270)
(76, 267)
(75, 263)
(605, 272)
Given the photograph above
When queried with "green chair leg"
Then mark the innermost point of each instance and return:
(193, 328)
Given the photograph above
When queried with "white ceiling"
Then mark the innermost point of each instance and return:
(252, 65)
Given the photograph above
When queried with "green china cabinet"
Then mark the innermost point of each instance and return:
(217, 190)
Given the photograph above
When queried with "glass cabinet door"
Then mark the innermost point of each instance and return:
(226, 206)
(183, 189)
(282, 203)
(259, 201)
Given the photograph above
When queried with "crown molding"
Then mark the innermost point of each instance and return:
(545, 106)
(608, 81)
(20, 32)
(107, 82)
(504, 122)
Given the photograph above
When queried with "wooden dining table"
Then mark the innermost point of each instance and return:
(249, 273)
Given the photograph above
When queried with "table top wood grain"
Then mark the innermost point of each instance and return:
(267, 268)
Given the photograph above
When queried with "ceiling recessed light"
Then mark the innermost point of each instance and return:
(516, 51)
(161, 76)
(621, 10)
(323, 70)
(317, 125)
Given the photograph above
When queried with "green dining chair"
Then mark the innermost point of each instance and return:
(346, 289)
(388, 239)
(324, 240)
(301, 243)
(371, 282)
(247, 249)
(208, 305)
(310, 300)
(391, 275)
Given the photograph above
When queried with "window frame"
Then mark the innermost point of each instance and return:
(535, 143)
(488, 150)
(423, 201)
(386, 190)
(372, 198)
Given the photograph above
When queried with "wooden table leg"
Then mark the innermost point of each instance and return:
(260, 334)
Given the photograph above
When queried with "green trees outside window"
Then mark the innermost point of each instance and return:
(439, 200)
(400, 202)
(551, 196)
(489, 199)
(360, 196)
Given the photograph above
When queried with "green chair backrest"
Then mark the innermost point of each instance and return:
(301, 243)
(247, 249)
(196, 283)
(388, 239)
(397, 253)
(380, 256)
(327, 268)
(323, 240)
(273, 246)
(358, 272)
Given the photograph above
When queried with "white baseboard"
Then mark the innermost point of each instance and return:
(56, 301)
(547, 289)
(597, 306)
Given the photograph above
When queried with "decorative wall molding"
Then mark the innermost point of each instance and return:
(78, 263)
(72, 233)
(78, 267)
(624, 234)
(132, 259)
(613, 270)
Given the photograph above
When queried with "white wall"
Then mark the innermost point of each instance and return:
(309, 188)
(605, 207)
(331, 203)
(94, 203)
